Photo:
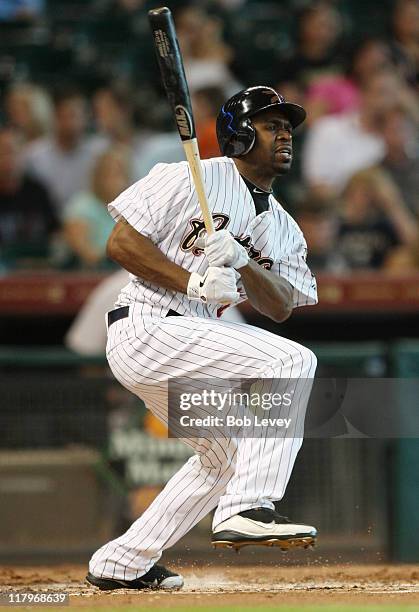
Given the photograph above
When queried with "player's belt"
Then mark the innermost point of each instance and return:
(123, 312)
(117, 314)
(173, 313)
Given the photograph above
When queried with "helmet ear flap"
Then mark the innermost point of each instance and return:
(242, 141)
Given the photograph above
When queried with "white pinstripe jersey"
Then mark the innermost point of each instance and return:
(164, 207)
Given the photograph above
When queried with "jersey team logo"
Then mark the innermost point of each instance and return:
(198, 231)
(220, 222)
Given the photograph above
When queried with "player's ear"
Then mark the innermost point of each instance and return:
(244, 138)
(236, 146)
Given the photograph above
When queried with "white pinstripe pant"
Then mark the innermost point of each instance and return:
(228, 474)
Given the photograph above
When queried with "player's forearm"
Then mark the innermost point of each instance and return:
(141, 257)
(268, 293)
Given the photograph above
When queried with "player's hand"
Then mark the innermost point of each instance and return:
(217, 285)
(222, 250)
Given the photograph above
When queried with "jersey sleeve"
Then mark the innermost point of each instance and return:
(293, 267)
(146, 205)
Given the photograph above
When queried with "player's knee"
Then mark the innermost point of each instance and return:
(299, 362)
(303, 359)
(309, 360)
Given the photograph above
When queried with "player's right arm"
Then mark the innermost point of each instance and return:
(145, 213)
(140, 256)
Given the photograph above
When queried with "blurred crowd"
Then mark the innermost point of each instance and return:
(83, 115)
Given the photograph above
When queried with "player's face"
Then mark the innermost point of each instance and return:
(273, 146)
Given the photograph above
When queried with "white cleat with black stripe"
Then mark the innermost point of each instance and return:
(263, 527)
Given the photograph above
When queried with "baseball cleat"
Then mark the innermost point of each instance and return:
(263, 527)
(158, 577)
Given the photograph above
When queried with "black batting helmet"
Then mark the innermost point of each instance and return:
(235, 132)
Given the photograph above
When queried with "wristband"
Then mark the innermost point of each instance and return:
(194, 286)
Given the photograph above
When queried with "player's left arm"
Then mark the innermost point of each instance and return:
(268, 292)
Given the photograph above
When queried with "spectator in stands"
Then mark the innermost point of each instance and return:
(166, 147)
(337, 146)
(113, 107)
(340, 93)
(405, 42)
(404, 259)
(316, 54)
(158, 147)
(29, 111)
(127, 8)
(206, 104)
(206, 56)
(230, 5)
(27, 218)
(374, 220)
(113, 112)
(402, 155)
(13, 10)
(318, 219)
(87, 223)
(330, 95)
(130, 5)
(368, 56)
(63, 161)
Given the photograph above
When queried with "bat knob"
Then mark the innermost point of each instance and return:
(163, 10)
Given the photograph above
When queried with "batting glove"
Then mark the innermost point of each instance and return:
(217, 285)
(222, 250)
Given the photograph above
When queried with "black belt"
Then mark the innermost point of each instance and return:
(123, 312)
(118, 313)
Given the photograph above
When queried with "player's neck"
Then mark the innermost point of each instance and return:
(253, 175)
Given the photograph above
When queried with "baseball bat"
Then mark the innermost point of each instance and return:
(176, 87)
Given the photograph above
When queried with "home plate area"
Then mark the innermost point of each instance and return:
(250, 587)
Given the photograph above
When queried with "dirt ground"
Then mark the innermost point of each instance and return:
(234, 586)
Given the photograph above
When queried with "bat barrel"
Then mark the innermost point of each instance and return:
(172, 71)
(176, 86)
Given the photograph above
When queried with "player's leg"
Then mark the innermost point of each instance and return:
(168, 348)
(266, 455)
(195, 347)
(209, 348)
(246, 513)
(264, 463)
(188, 496)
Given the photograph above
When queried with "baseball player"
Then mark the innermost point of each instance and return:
(167, 324)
